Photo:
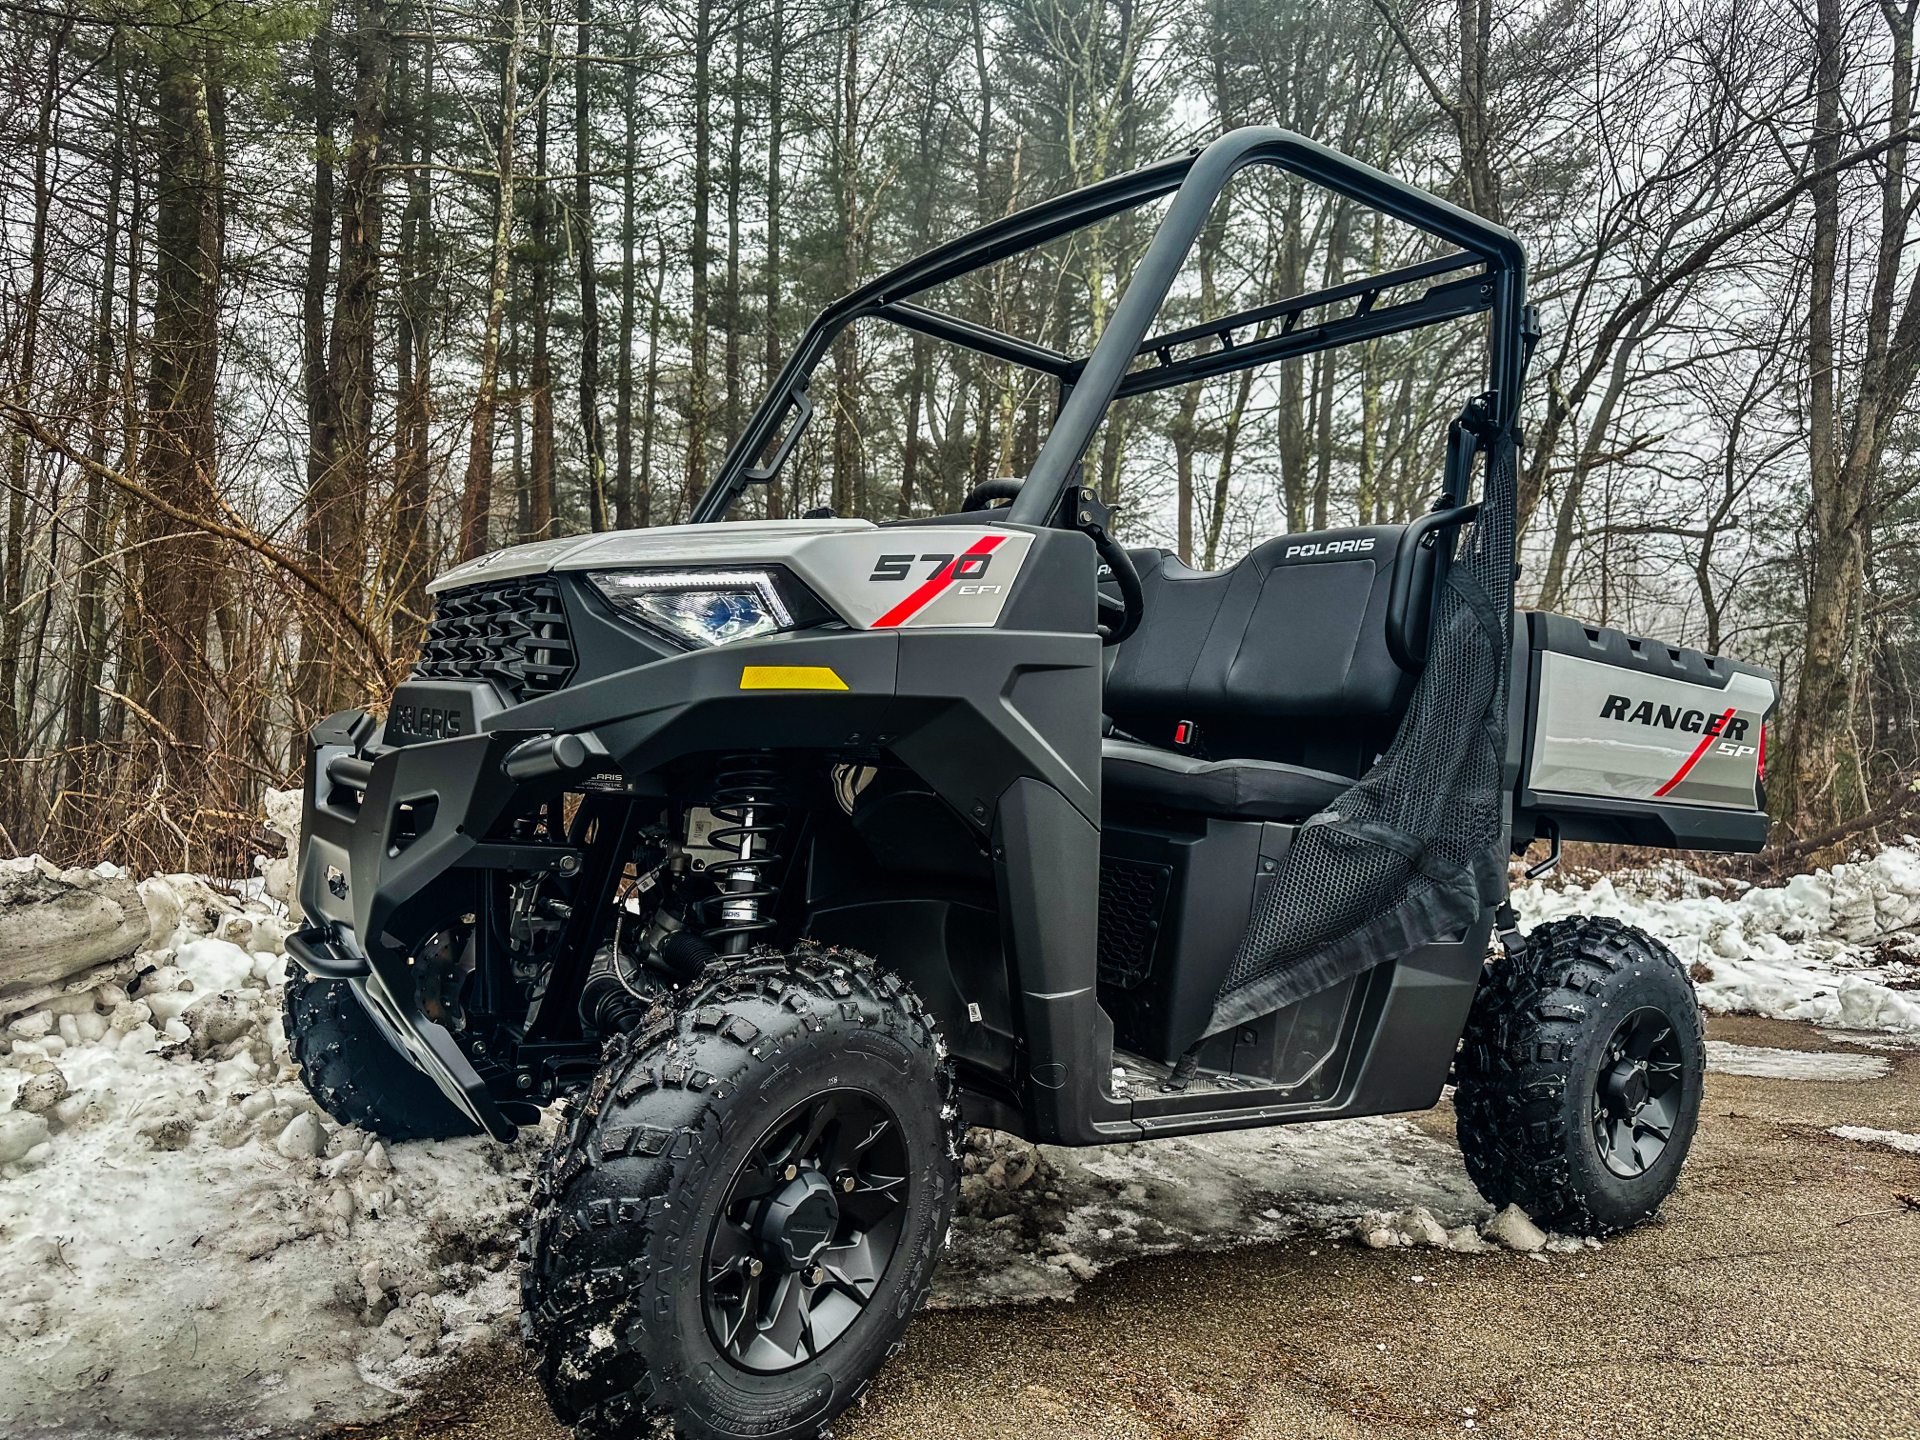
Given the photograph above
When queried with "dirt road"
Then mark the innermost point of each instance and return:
(1778, 1294)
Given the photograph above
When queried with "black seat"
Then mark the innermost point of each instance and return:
(1234, 789)
(1295, 665)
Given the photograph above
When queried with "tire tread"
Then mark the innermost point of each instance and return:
(352, 1070)
(691, 1059)
(1514, 1103)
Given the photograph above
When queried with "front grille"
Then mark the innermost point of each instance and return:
(513, 633)
(1132, 896)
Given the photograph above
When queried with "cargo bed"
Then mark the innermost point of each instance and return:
(1627, 741)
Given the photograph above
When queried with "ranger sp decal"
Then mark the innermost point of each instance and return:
(1605, 731)
(1696, 722)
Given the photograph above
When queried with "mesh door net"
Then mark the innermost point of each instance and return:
(1416, 849)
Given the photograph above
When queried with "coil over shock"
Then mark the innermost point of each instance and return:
(751, 805)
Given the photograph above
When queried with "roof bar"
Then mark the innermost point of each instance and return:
(1442, 302)
(1195, 181)
(987, 341)
(1372, 284)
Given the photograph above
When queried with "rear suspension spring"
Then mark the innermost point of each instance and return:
(751, 803)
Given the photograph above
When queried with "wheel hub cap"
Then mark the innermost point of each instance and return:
(806, 1230)
(800, 1220)
(1637, 1093)
(1627, 1084)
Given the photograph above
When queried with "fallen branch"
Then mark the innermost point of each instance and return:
(1776, 857)
(27, 421)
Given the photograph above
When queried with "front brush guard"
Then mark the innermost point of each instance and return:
(357, 869)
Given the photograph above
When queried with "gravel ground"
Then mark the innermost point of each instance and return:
(1777, 1294)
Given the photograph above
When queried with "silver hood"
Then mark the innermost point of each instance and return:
(922, 575)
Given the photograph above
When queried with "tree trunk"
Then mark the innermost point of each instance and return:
(643, 505)
(176, 576)
(313, 291)
(1845, 455)
(322, 418)
(731, 316)
(81, 730)
(16, 709)
(1553, 586)
(476, 496)
(335, 540)
(1832, 549)
(1325, 369)
(1293, 398)
(1223, 481)
(846, 354)
(916, 397)
(591, 443)
(698, 398)
(776, 121)
(539, 506)
(1475, 21)
(629, 212)
(407, 602)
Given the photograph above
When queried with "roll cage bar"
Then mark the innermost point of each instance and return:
(1088, 385)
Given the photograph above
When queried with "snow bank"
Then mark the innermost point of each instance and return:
(189, 1242)
(1837, 947)
(188, 1247)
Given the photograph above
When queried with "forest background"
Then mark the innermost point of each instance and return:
(300, 302)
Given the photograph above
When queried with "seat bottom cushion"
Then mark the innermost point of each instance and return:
(1232, 789)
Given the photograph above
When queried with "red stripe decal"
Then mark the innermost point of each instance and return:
(921, 598)
(1692, 759)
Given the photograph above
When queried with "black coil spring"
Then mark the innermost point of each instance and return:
(750, 801)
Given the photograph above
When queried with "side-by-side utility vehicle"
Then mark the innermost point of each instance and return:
(779, 850)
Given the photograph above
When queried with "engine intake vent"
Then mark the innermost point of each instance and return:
(1133, 894)
(513, 633)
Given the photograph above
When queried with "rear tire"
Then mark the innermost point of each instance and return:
(1580, 1077)
(354, 1072)
(683, 1220)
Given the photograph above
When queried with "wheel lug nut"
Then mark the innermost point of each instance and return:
(790, 1172)
(816, 1275)
(754, 1267)
(847, 1183)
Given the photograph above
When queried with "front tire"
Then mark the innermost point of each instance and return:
(1580, 1077)
(738, 1217)
(350, 1067)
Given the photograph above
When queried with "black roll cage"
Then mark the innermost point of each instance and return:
(1088, 385)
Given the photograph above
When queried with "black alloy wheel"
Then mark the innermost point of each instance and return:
(1580, 1076)
(1636, 1093)
(806, 1232)
(741, 1212)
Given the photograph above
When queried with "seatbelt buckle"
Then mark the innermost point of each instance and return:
(1186, 736)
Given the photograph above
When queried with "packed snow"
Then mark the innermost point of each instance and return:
(1867, 1135)
(1838, 947)
(189, 1247)
(1766, 1063)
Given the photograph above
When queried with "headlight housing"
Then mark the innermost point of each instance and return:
(699, 609)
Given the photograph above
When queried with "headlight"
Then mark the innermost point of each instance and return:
(709, 607)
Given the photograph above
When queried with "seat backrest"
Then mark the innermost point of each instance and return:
(1298, 631)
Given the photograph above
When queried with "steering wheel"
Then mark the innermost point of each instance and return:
(1118, 618)
(990, 495)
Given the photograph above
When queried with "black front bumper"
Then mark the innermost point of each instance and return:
(382, 826)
